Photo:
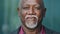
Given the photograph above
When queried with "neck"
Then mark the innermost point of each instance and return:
(31, 31)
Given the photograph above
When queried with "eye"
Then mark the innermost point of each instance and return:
(25, 8)
(37, 7)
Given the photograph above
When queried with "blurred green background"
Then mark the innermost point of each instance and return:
(9, 20)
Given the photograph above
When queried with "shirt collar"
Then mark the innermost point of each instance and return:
(41, 32)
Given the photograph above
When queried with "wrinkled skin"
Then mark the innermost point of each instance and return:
(31, 7)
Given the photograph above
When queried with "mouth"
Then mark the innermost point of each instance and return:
(31, 21)
(31, 18)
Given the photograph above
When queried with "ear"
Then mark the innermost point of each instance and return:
(18, 12)
(44, 12)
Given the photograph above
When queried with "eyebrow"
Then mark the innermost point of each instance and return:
(37, 5)
(29, 5)
(25, 5)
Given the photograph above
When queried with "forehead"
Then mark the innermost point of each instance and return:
(31, 2)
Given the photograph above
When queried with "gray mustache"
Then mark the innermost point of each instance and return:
(31, 16)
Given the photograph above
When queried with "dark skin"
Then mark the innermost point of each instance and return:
(31, 7)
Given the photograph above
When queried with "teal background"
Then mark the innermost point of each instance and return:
(9, 20)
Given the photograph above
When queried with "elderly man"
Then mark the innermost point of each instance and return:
(32, 13)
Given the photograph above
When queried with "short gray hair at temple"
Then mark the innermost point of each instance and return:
(20, 3)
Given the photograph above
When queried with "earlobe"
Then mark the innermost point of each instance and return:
(44, 12)
(18, 12)
(18, 9)
(45, 9)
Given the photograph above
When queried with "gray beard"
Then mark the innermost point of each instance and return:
(31, 25)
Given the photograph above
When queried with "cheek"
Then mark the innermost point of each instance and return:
(39, 14)
(23, 14)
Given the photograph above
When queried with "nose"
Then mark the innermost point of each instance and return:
(31, 11)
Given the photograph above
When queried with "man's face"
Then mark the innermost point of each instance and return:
(31, 13)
